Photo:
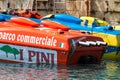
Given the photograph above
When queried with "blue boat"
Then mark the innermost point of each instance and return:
(109, 35)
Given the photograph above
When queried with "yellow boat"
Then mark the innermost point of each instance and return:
(113, 49)
(110, 39)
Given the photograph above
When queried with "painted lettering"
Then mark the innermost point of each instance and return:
(51, 41)
(26, 39)
(47, 41)
(41, 57)
(45, 57)
(54, 42)
(38, 57)
(7, 36)
(21, 54)
(3, 36)
(40, 40)
(37, 40)
(21, 38)
(32, 39)
(0, 35)
(31, 54)
(43, 41)
(18, 38)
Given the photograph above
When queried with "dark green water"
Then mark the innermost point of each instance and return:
(107, 70)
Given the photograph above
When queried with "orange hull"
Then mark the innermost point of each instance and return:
(40, 44)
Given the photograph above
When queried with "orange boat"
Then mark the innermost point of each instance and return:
(25, 41)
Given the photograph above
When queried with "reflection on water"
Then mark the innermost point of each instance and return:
(107, 70)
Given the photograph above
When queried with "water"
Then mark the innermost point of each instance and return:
(107, 70)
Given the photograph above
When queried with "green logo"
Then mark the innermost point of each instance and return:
(7, 49)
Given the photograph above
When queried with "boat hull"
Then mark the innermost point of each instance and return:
(24, 54)
(27, 43)
(111, 56)
(112, 37)
(113, 49)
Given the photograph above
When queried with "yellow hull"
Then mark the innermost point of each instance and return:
(111, 56)
(113, 41)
